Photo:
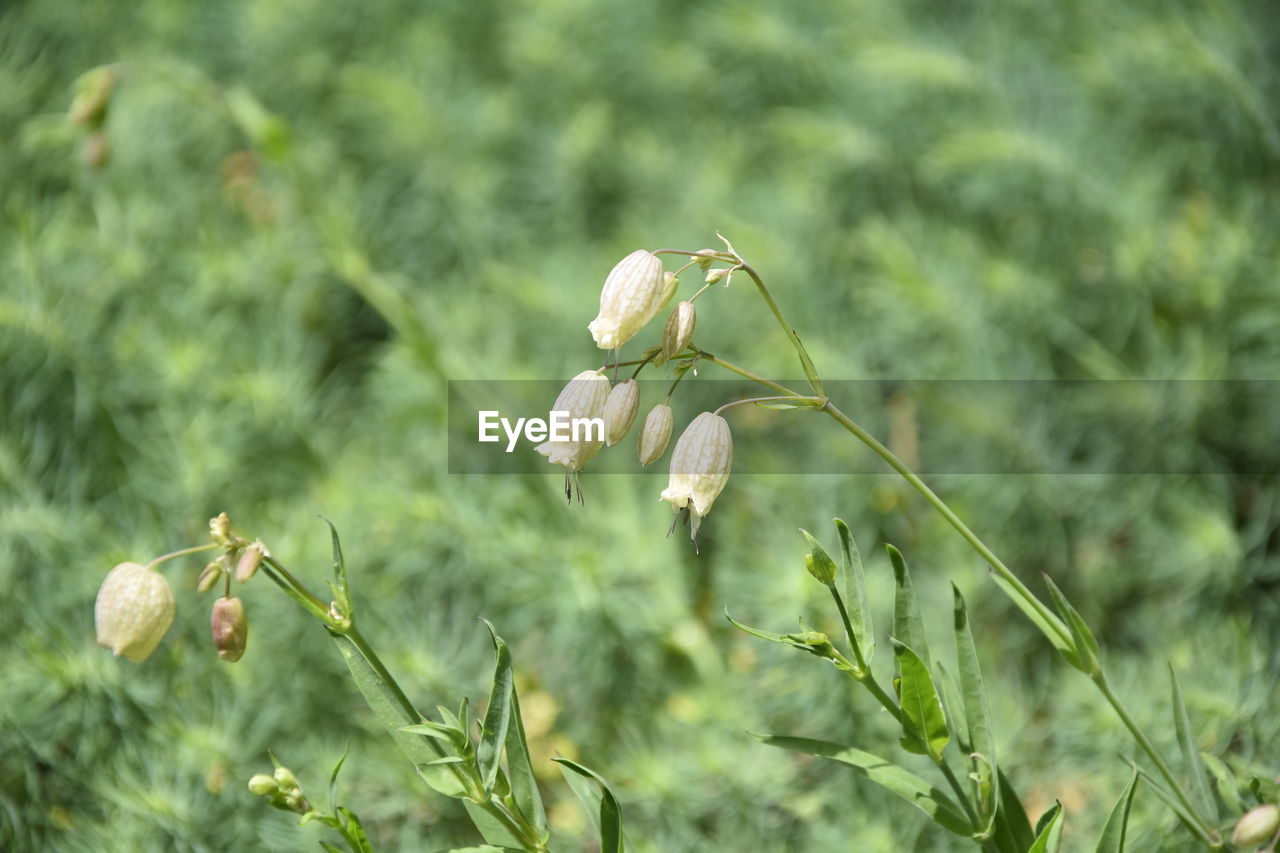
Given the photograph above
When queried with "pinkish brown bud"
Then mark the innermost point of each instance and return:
(249, 562)
(230, 628)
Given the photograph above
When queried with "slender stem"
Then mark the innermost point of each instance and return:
(742, 371)
(718, 256)
(763, 400)
(182, 553)
(960, 791)
(954, 520)
(848, 629)
(1202, 828)
(297, 591)
(810, 372)
(681, 375)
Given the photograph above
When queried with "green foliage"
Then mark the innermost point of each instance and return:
(310, 218)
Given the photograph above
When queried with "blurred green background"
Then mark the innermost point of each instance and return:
(306, 218)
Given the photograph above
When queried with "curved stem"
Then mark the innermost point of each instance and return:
(182, 553)
(764, 400)
(747, 374)
(810, 372)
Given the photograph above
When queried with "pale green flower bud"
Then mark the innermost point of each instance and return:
(230, 627)
(716, 275)
(635, 290)
(1257, 826)
(249, 561)
(93, 96)
(220, 529)
(700, 466)
(134, 610)
(263, 785)
(286, 780)
(584, 397)
(679, 330)
(655, 432)
(818, 561)
(705, 258)
(620, 411)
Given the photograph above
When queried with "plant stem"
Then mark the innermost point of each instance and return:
(1207, 833)
(810, 372)
(960, 791)
(763, 400)
(742, 371)
(182, 553)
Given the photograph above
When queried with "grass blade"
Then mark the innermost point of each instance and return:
(1200, 788)
(855, 593)
(1113, 833)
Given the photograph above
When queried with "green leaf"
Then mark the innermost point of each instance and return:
(1053, 628)
(1169, 800)
(908, 626)
(1200, 790)
(483, 848)
(524, 786)
(924, 725)
(331, 848)
(1225, 783)
(497, 717)
(977, 713)
(892, 778)
(855, 593)
(1012, 823)
(953, 705)
(427, 728)
(610, 816)
(390, 707)
(801, 403)
(1048, 831)
(333, 778)
(1113, 833)
(819, 562)
(1086, 656)
(355, 831)
(491, 829)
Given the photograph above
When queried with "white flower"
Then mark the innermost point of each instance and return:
(134, 610)
(583, 397)
(655, 432)
(700, 466)
(620, 411)
(635, 290)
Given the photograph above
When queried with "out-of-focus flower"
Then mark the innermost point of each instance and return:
(655, 432)
(679, 330)
(700, 466)
(620, 411)
(1257, 826)
(134, 610)
(635, 290)
(230, 627)
(583, 398)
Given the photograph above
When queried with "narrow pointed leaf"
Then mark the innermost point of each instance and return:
(1048, 831)
(953, 705)
(1087, 656)
(1113, 833)
(524, 786)
(610, 815)
(855, 593)
(339, 563)
(389, 706)
(492, 830)
(355, 831)
(892, 778)
(331, 848)
(908, 626)
(1053, 628)
(924, 724)
(497, 717)
(333, 778)
(1172, 802)
(977, 713)
(1224, 782)
(1200, 788)
(1013, 817)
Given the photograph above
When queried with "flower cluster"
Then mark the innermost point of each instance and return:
(135, 605)
(634, 292)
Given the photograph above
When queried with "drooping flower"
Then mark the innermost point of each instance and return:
(230, 627)
(620, 411)
(134, 610)
(655, 432)
(583, 398)
(700, 466)
(634, 291)
(679, 330)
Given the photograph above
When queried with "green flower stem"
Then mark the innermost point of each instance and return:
(182, 553)
(817, 400)
(1201, 828)
(810, 372)
(742, 371)
(961, 794)
(299, 593)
